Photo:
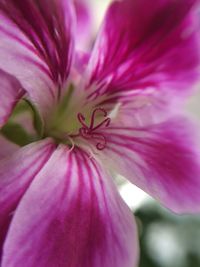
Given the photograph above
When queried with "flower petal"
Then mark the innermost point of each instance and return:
(162, 159)
(7, 147)
(84, 25)
(16, 173)
(145, 48)
(36, 45)
(11, 92)
(76, 218)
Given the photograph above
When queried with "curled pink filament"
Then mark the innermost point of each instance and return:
(101, 140)
(90, 131)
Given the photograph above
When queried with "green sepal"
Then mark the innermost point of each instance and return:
(37, 119)
(59, 113)
(65, 100)
(16, 134)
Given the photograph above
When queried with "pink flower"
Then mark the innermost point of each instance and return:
(84, 35)
(94, 116)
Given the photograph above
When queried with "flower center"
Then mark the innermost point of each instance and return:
(64, 123)
(91, 131)
(74, 119)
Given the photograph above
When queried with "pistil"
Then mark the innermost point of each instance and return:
(90, 132)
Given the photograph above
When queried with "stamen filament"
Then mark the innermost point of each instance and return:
(88, 132)
(106, 122)
(81, 119)
(93, 116)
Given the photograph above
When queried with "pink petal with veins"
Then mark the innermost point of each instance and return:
(11, 93)
(76, 218)
(144, 46)
(7, 147)
(37, 45)
(162, 159)
(16, 173)
(84, 36)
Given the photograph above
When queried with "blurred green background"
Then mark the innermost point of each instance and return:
(166, 239)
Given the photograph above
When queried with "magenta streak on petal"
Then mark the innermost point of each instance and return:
(90, 132)
(39, 66)
(37, 46)
(84, 224)
(104, 200)
(162, 159)
(17, 39)
(43, 26)
(14, 16)
(95, 227)
(96, 181)
(17, 172)
(147, 51)
(34, 62)
(29, 59)
(97, 232)
(108, 215)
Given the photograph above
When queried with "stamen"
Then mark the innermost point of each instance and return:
(85, 132)
(72, 143)
(102, 144)
(106, 122)
(89, 132)
(81, 119)
(93, 116)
